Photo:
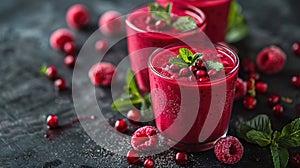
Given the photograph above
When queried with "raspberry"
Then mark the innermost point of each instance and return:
(102, 74)
(271, 60)
(240, 88)
(78, 16)
(229, 150)
(295, 161)
(144, 139)
(60, 37)
(110, 23)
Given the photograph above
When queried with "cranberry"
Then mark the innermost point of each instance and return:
(278, 110)
(149, 163)
(184, 72)
(295, 161)
(240, 89)
(174, 68)
(60, 37)
(134, 115)
(261, 87)
(51, 72)
(121, 126)
(248, 65)
(60, 84)
(132, 156)
(52, 121)
(273, 99)
(78, 16)
(181, 158)
(101, 45)
(296, 81)
(200, 73)
(250, 102)
(70, 61)
(69, 48)
(201, 65)
(192, 68)
(110, 23)
(103, 74)
(296, 48)
(160, 24)
(254, 75)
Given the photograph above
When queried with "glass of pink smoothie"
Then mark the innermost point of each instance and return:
(216, 12)
(193, 109)
(143, 37)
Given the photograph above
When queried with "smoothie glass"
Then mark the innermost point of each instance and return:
(142, 41)
(192, 115)
(216, 12)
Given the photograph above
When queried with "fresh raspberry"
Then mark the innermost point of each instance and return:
(78, 16)
(70, 48)
(103, 74)
(101, 45)
(144, 139)
(295, 161)
(240, 89)
(110, 23)
(271, 60)
(229, 150)
(60, 37)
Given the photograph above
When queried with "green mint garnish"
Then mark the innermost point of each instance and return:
(43, 69)
(237, 26)
(258, 131)
(161, 13)
(218, 66)
(131, 98)
(185, 23)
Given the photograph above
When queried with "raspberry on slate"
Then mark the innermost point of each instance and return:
(60, 37)
(132, 156)
(103, 74)
(121, 126)
(110, 23)
(181, 158)
(229, 150)
(78, 16)
(144, 139)
(52, 121)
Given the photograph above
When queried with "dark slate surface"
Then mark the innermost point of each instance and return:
(26, 97)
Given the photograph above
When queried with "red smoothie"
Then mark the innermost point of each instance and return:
(193, 109)
(216, 12)
(143, 37)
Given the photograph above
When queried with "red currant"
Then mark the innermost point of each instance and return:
(121, 125)
(51, 72)
(70, 61)
(250, 102)
(273, 99)
(200, 73)
(254, 75)
(181, 158)
(261, 87)
(60, 84)
(296, 81)
(296, 48)
(69, 48)
(278, 110)
(134, 115)
(132, 156)
(149, 163)
(52, 121)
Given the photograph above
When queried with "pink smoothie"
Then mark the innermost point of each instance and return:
(216, 12)
(144, 39)
(194, 114)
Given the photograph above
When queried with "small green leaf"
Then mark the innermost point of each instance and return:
(146, 108)
(169, 7)
(123, 104)
(215, 65)
(290, 134)
(197, 57)
(280, 156)
(185, 23)
(186, 55)
(43, 69)
(161, 13)
(179, 62)
(258, 137)
(131, 84)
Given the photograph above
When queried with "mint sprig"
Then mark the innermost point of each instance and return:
(258, 131)
(185, 23)
(131, 98)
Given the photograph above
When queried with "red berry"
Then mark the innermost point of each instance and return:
(60, 84)
(70, 61)
(271, 60)
(248, 65)
(240, 88)
(229, 150)
(78, 16)
(200, 73)
(134, 115)
(201, 65)
(278, 110)
(101, 45)
(69, 48)
(250, 102)
(144, 139)
(254, 75)
(149, 163)
(121, 126)
(132, 156)
(273, 99)
(184, 72)
(261, 87)
(296, 81)
(295, 161)
(103, 74)
(296, 48)
(110, 23)
(52, 121)
(181, 158)
(192, 68)
(160, 24)
(51, 72)
(60, 37)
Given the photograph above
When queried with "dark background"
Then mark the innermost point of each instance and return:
(26, 97)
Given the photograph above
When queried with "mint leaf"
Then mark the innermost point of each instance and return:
(43, 69)
(186, 55)
(146, 108)
(197, 57)
(131, 84)
(258, 123)
(215, 65)
(290, 134)
(185, 23)
(258, 137)
(161, 13)
(179, 62)
(126, 104)
(280, 156)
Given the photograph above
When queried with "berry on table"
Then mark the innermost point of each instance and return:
(271, 60)
(240, 89)
(132, 156)
(60, 37)
(278, 110)
(69, 48)
(144, 139)
(60, 84)
(273, 99)
(249, 102)
(296, 48)
(181, 158)
(121, 126)
(295, 81)
(149, 163)
(295, 161)
(78, 16)
(101, 45)
(103, 74)
(111, 23)
(51, 72)
(254, 75)
(134, 115)
(261, 87)
(229, 150)
(70, 61)
(52, 121)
